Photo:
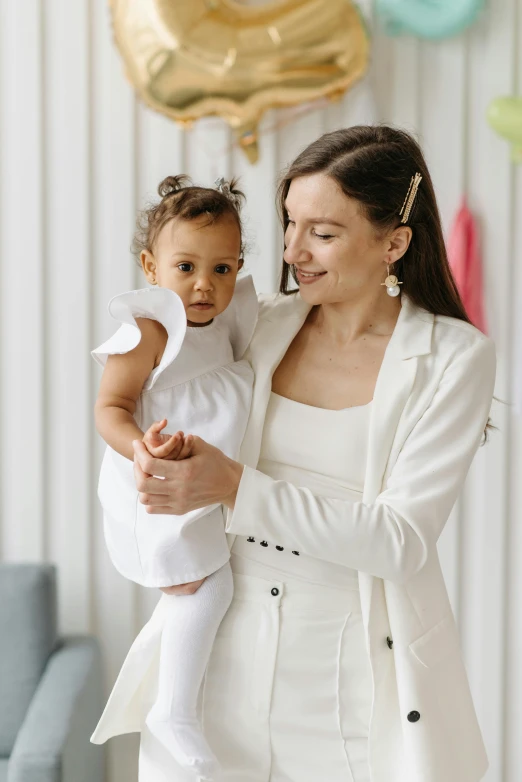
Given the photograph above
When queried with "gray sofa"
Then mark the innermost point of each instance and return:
(50, 688)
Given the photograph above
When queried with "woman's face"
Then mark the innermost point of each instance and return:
(336, 251)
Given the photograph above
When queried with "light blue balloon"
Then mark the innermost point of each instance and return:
(428, 18)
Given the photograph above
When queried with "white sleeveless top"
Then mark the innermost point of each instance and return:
(202, 386)
(320, 450)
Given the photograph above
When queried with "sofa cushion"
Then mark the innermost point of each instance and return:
(28, 635)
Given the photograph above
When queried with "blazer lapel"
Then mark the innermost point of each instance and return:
(411, 338)
(269, 344)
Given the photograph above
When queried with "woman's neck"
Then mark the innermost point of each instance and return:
(347, 321)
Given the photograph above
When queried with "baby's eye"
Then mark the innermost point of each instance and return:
(185, 267)
(222, 269)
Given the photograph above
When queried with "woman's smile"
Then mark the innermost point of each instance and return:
(306, 278)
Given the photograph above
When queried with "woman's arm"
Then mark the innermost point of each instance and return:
(389, 538)
(392, 536)
(121, 385)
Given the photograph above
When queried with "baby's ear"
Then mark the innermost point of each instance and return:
(148, 265)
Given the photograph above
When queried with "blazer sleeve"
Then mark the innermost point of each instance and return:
(391, 537)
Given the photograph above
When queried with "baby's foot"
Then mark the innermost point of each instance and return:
(185, 742)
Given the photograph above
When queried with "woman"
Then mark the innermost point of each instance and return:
(339, 657)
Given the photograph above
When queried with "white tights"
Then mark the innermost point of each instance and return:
(188, 634)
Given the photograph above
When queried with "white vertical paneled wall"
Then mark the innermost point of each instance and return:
(79, 155)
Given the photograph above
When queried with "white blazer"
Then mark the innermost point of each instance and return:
(431, 404)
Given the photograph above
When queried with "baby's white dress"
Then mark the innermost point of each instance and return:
(202, 387)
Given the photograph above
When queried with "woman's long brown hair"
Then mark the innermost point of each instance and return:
(374, 164)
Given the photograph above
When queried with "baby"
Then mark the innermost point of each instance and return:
(176, 361)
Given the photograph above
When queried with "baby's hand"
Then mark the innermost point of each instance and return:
(166, 446)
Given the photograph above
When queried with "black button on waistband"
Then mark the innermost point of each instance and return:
(279, 548)
(413, 716)
(275, 591)
(264, 543)
(251, 540)
(389, 642)
(296, 553)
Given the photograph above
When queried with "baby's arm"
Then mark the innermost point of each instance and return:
(121, 385)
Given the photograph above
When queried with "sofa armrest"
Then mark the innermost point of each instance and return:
(53, 743)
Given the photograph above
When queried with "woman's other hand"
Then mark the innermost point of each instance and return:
(205, 477)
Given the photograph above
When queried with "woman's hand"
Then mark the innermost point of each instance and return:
(205, 477)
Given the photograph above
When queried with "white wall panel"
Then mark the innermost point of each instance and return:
(67, 217)
(23, 287)
(79, 155)
(208, 151)
(441, 83)
(159, 153)
(513, 630)
(403, 90)
(113, 202)
(258, 182)
(513, 633)
(491, 73)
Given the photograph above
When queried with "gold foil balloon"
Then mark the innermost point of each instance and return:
(193, 58)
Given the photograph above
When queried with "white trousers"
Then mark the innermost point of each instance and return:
(287, 693)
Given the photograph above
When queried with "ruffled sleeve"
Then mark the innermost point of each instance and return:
(241, 316)
(159, 304)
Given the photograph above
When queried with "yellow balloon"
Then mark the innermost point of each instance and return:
(505, 116)
(193, 58)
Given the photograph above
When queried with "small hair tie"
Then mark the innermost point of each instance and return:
(222, 186)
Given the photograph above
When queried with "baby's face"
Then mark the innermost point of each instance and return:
(199, 262)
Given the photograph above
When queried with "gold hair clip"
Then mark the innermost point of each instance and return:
(410, 198)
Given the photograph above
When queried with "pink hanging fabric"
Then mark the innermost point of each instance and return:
(466, 265)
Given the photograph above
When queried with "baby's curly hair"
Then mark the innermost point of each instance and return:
(180, 198)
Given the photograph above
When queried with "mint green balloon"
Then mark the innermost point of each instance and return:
(428, 18)
(505, 116)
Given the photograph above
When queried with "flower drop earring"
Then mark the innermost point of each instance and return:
(392, 283)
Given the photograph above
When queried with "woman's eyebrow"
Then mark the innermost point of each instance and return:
(323, 221)
(327, 220)
(315, 220)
